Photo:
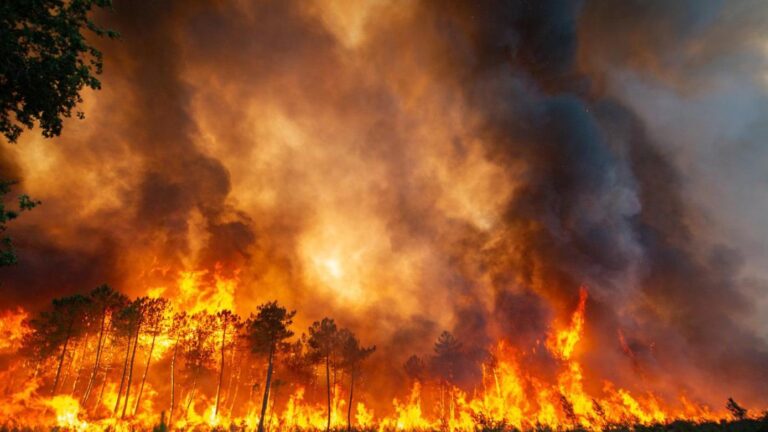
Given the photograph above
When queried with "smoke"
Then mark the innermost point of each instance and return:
(408, 169)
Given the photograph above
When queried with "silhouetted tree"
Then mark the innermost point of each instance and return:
(126, 324)
(226, 321)
(7, 253)
(737, 411)
(54, 329)
(323, 343)
(198, 349)
(141, 305)
(445, 364)
(267, 332)
(105, 302)
(415, 368)
(45, 62)
(154, 317)
(298, 362)
(446, 360)
(352, 356)
(240, 349)
(177, 333)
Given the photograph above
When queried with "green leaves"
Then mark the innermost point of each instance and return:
(25, 203)
(45, 62)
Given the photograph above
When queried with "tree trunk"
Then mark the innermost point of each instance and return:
(99, 347)
(191, 394)
(79, 370)
(103, 386)
(231, 374)
(328, 388)
(173, 382)
(146, 370)
(236, 391)
(351, 392)
(221, 371)
(130, 369)
(122, 377)
(72, 363)
(61, 358)
(265, 400)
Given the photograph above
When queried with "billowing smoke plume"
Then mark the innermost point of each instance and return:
(408, 169)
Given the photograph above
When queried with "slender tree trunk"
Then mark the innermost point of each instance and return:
(231, 374)
(122, 377)
(173, 382)
(72, 363)
(328, 388)
(236, 391)
(250, 398)
(99, 347)
(267, 384)
(103, 386)
(191, 394)
(61, 358)
(221, 371)
(146, 370)
(351, 392)
(130, 369)
(79, 370)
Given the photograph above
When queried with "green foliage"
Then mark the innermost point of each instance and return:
(25, 203)
(45, 62)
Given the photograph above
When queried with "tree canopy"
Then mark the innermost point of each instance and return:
(7, 253)
(45, 62)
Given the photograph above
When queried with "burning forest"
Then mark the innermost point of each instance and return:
(383, 215)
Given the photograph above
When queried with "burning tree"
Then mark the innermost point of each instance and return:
(227, 322)
(324, 343)
(415, 368)
(445, 364)
(155, 317)
(105, 302)
(128, 324)
(267, 332)
(198, 350)
(352, 357)
(53, 330)
(176, 331)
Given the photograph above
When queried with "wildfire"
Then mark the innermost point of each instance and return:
(563, 342)
(511, 395)
(11, 328)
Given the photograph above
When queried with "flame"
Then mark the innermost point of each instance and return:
(511, 395)
(200, 290)
(12, 328)
(563, 342)
(67, 412)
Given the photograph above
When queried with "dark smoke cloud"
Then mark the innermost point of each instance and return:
(601, 205)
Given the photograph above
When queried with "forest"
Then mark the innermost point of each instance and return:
(101, 360)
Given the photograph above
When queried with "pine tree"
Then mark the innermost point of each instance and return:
(267, 332)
